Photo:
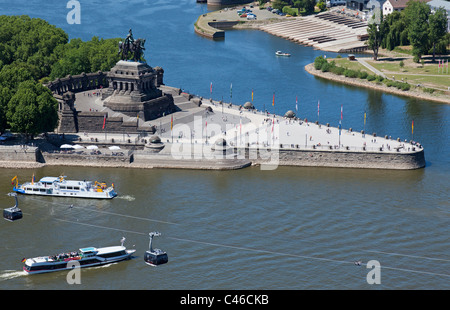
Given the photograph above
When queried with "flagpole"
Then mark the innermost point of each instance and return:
(318, 109)
(340, 127)
(273, 103)
(364, 124)
(231, 93)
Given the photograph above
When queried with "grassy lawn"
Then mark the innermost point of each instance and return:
(350, 64)
(415, 73)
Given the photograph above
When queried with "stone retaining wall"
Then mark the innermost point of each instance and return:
(336, 158)
(87, 160)
(20, 154)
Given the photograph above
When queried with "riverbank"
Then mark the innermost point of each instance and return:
(415, 93)
(236, 137)
(213, 24)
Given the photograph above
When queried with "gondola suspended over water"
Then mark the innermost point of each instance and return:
(155, 257)
(13, 213)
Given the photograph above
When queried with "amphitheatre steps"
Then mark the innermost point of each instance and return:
(332, 32)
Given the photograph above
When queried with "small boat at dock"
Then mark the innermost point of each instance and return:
(59, 186)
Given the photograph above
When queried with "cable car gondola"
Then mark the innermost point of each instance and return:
(13, 213)
(155, 257)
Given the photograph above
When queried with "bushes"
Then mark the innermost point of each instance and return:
(337, 70)
(350, 73)
(320, 63)
(399, 85)
(362, 74)
(325, 67)
(291, 11)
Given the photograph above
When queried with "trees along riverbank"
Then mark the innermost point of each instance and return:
(416, 25)
(33, 52)
(409, 79)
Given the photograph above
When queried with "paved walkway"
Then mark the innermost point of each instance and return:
(371, 68)
(240, 127)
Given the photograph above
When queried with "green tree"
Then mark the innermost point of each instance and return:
(376, 32)
(32, 109)
(5, 96)
(91, 56)
(322, 5)
(31, 41)
(13, 74)
(396, 31)
(309, 6)
(437, 27)
(417, 14)
(279, 4)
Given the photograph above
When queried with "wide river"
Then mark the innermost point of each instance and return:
(285, 229)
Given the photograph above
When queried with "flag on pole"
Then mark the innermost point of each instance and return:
(273, 122)
(231, 90)
(273, 100)
(318, 108)
(240, 127)
(412, 127)
(104, 121)
(341, 111)
(364, 118)
(171, 122)
(210, 88)
(296, 104)
(252, 95)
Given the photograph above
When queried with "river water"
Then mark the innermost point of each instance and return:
(285, 229)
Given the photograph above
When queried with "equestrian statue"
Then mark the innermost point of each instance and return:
(131, 47)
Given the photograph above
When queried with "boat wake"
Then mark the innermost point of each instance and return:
(126, 197)
(104, 266)
(11, 274)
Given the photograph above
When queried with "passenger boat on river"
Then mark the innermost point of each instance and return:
(85, 257)
(59, 186)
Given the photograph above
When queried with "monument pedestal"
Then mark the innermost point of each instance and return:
(133, 90)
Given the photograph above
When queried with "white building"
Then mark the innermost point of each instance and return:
(390, 6)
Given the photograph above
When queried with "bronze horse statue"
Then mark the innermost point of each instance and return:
(131, 47)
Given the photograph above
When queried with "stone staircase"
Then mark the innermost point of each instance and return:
(332, 32)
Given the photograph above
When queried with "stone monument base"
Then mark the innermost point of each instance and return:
(133, 91)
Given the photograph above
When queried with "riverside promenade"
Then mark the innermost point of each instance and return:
(211, 135)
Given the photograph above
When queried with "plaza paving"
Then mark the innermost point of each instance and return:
(205, 124)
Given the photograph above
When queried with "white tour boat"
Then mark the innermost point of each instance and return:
(85, 257)
(59, 186)
(280, 53)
